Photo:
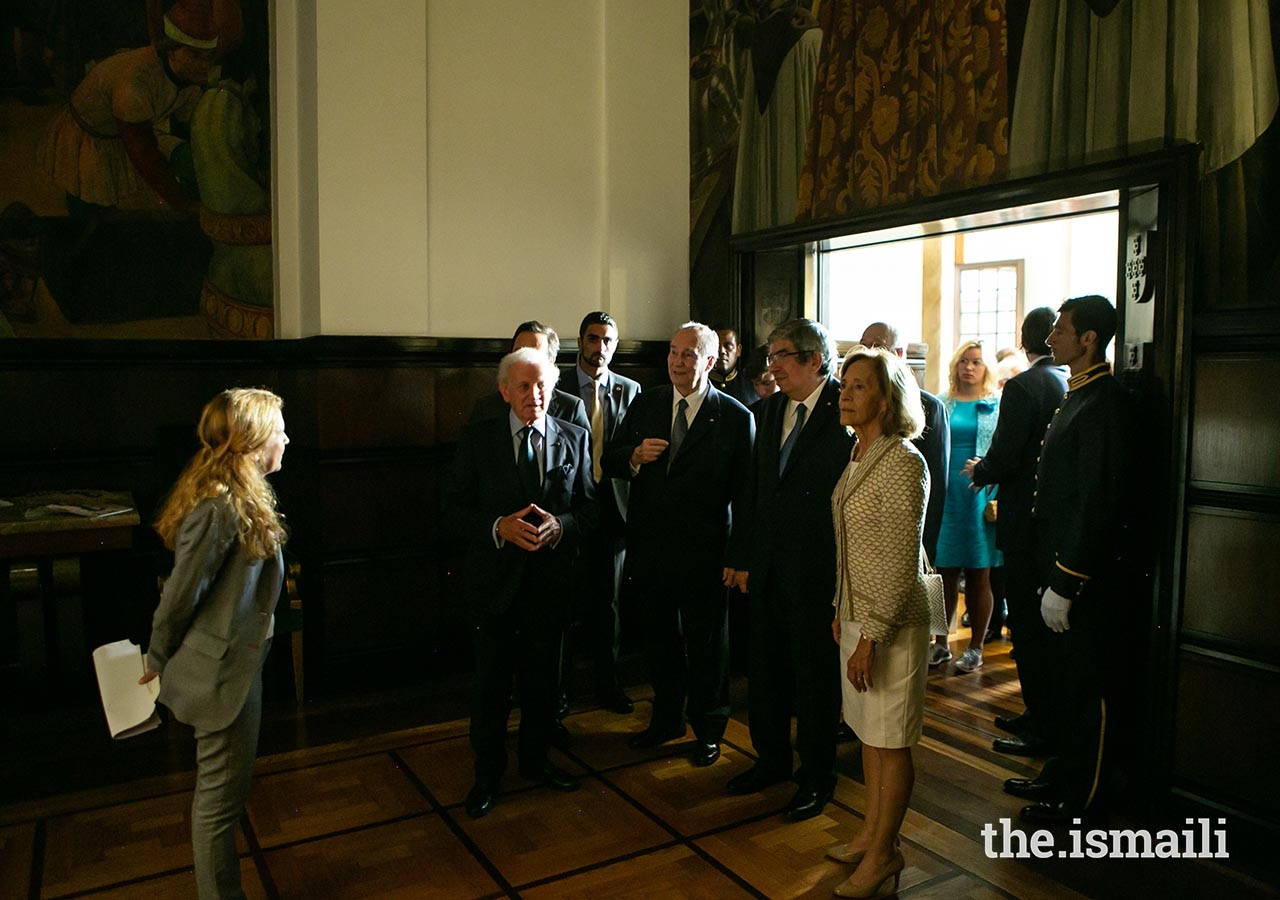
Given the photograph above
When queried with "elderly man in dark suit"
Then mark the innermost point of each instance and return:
(1026, 407)
(934, 443)
(686, 449)
(607, 396)
(801, 451)
(521, 497)
(562, 405)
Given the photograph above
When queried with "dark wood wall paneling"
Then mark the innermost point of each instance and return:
(1228, 636)
(372, 424)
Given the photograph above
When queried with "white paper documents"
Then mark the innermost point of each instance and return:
(130, 707)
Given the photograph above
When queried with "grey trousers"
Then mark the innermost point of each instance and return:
(224, 768)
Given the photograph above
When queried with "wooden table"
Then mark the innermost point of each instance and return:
(28, 530)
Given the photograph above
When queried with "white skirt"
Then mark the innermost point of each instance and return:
(891, 713)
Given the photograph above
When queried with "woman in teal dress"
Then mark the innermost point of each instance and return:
(967, 540)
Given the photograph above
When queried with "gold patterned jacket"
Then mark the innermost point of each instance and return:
(878, 512)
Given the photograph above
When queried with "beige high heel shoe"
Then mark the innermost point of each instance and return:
(879, 884)
(846, 854)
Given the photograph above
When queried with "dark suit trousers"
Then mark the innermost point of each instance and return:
(1031, 636)
(523, 642)
(686, 618)
(598, 573)
(795, 665)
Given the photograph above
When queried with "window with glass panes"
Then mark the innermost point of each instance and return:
(989, 303)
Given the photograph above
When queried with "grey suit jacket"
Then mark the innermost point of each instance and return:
(209, 633)
(620, 391)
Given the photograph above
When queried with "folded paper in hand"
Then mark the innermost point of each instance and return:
(130, 707)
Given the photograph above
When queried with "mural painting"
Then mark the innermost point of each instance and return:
(134, 170)
(810, 111)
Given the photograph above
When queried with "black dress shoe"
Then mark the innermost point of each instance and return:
(617, 701)
(653, 737)
(754, 780)
(560, 736)
(552, 776)
(1021, 746)
(1030, 788)
(807, 803)
(844, 733)
(1019, 724)
(480, 799)
(1050, 813)
(704, 754)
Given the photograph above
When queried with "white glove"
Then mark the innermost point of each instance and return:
(1054, 609)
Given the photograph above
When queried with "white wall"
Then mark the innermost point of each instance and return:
(481, 163)
(1063, 257)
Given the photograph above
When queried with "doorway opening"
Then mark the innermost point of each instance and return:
(952, 280)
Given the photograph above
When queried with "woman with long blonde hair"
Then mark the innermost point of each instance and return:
(967, 540)
(213, 627)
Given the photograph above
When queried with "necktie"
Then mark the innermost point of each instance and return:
(678, 430)
(789, 444)
(597, 429)
(528, 464)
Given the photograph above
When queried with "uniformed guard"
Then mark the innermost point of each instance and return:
(1078, 509)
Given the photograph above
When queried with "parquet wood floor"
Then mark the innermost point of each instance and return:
(382, 817)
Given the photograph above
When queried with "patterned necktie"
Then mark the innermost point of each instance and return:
(530, 479)
(789, 444)
(678, 430)
(597, 429)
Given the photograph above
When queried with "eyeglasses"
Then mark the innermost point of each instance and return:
(782, 355)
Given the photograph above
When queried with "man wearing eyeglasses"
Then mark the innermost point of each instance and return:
(686, 449)
(801, 452)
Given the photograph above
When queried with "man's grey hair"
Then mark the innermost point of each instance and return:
(708, 340)
(808, 337)
(530, 356)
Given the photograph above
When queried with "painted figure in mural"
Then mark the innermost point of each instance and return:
(777, 95)
(114, 144)
(226, 144)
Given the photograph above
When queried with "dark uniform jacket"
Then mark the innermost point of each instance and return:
(1081, 481)
(738, 386)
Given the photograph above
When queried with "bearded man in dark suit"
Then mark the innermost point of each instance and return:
(607, 397)
(686, 449)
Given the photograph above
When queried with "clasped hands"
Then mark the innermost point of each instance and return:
(531, 528)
